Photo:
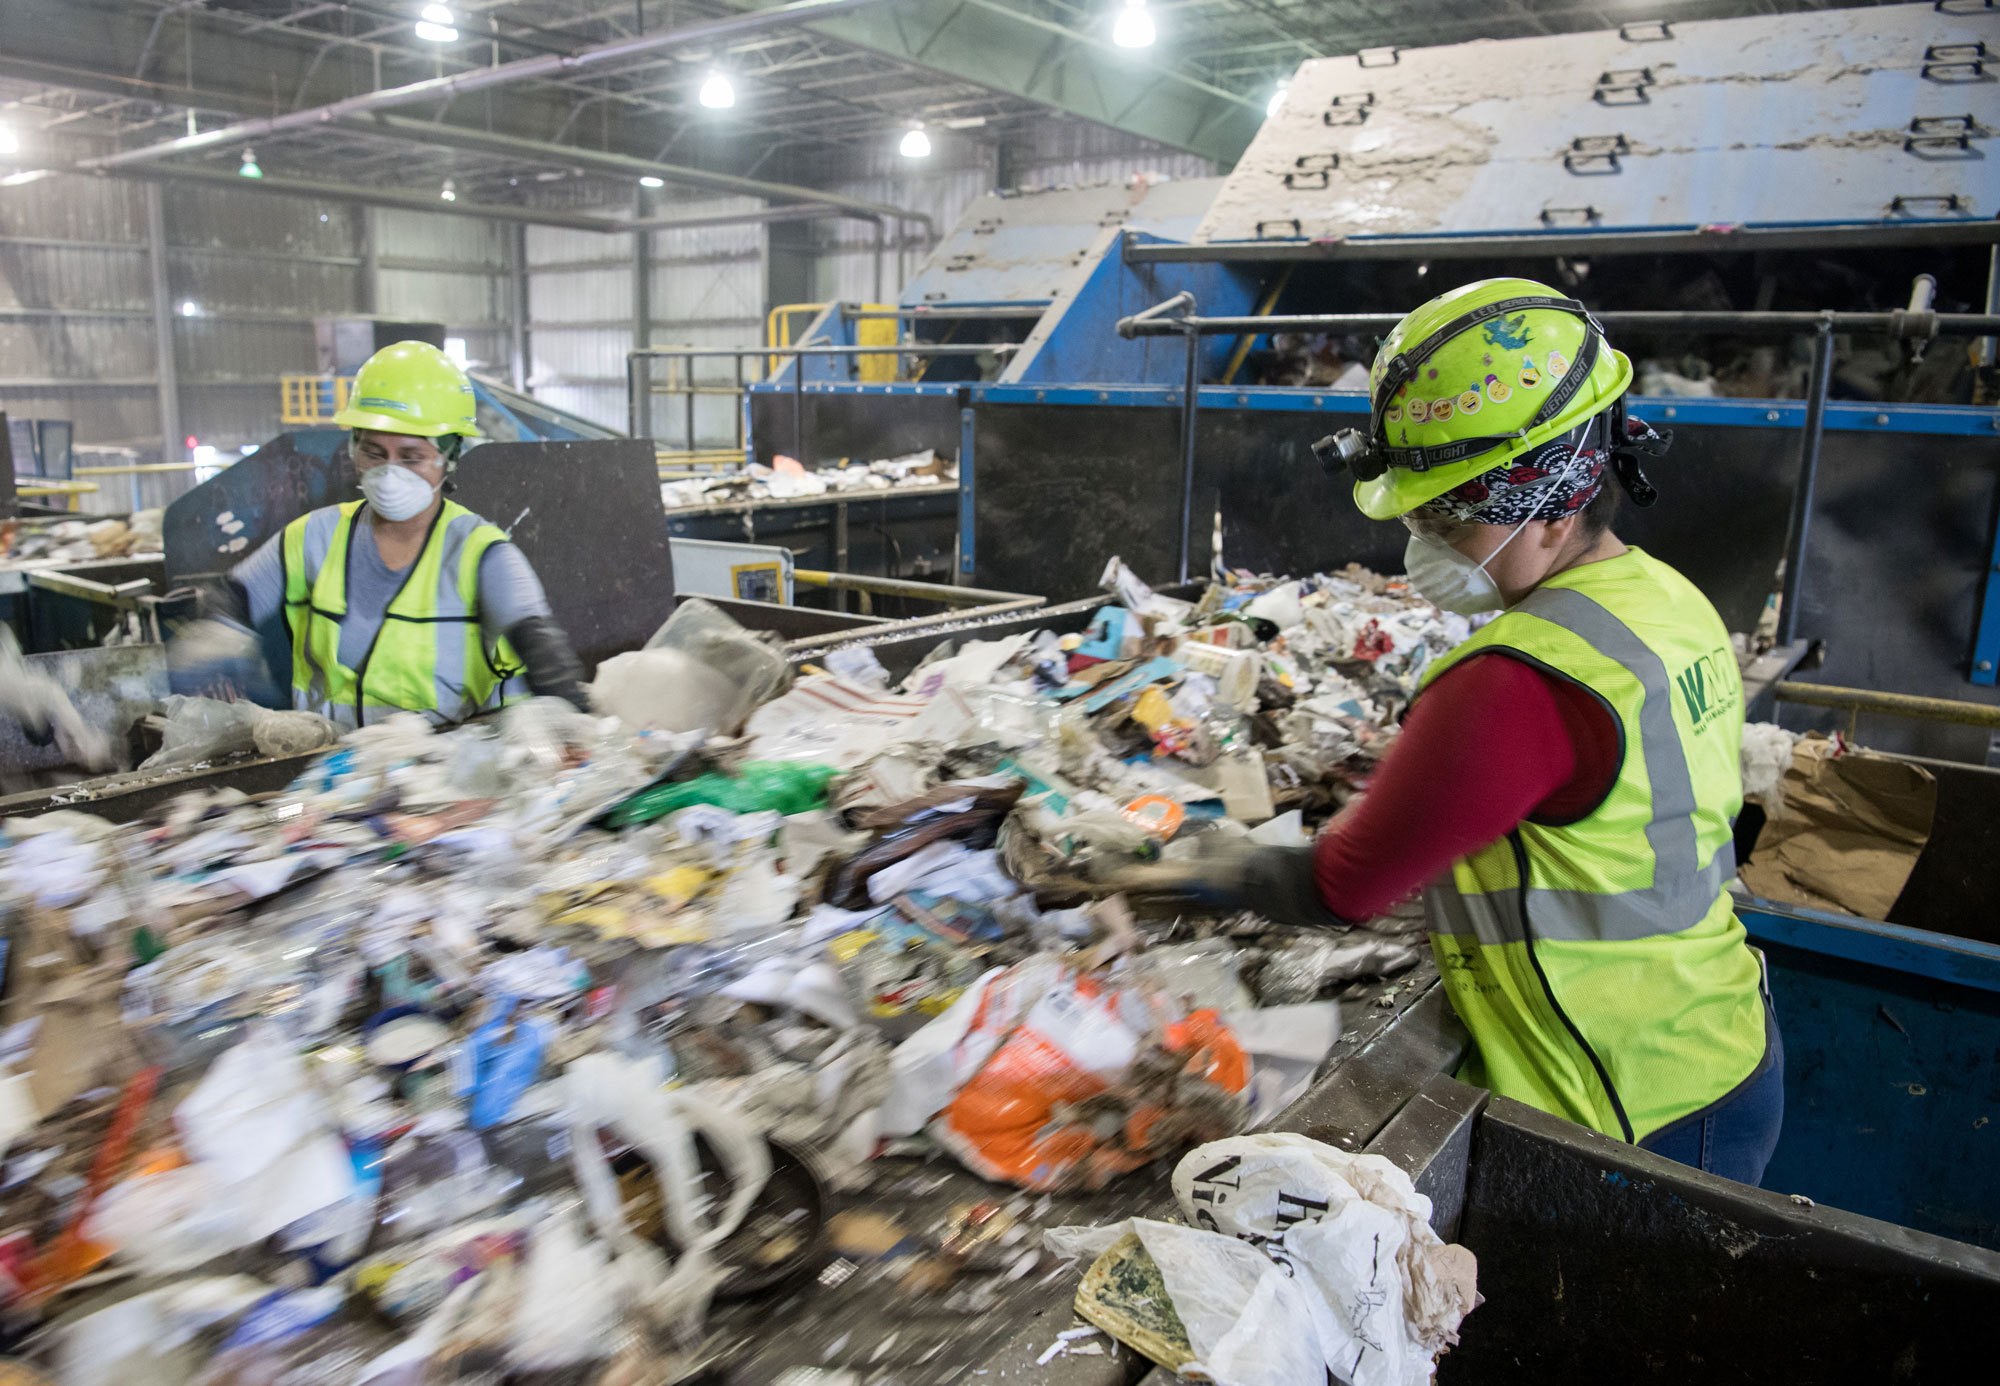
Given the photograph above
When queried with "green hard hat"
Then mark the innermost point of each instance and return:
(413, 388)
(1477, 377)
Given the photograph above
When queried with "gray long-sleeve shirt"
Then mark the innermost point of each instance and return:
(509, 591)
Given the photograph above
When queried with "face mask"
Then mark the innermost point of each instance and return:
(1443, 575)
(1447, 578)
(396, 493)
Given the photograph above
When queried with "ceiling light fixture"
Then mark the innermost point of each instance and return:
(438, 25)
(916, 144)
(449, 192)
(190, 309)
(24, 177)
(649, 181)
(717, 93)
(1277, 100)
(10, 140)
(249, 168)
(1134, 26)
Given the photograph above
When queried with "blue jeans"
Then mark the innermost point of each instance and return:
(1735, 1135)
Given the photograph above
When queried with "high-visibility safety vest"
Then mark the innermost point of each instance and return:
(1597, 961)
(430, 655)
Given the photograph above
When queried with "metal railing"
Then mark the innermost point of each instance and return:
(311, 401)
(41, 489)
(640, 387)
(1178, 317)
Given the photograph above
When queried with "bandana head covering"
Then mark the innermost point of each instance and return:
(1558, 478)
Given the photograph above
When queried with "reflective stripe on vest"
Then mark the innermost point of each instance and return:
(1684, 885)
(429, 655)
(1625, 999)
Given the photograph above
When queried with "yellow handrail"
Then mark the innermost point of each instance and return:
(778, 329)
(312, 401)
(70, 490)
(139, 467)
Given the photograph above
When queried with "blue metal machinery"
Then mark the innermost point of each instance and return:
(1769, 148)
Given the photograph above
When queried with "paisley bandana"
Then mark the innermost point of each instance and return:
(1558, 478)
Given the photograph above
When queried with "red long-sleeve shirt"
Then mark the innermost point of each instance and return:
(1489, 743)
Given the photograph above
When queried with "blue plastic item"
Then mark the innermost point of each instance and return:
(506, 1058)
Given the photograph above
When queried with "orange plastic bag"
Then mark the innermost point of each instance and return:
(1079, 1094)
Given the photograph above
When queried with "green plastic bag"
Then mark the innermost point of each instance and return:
(789, 786)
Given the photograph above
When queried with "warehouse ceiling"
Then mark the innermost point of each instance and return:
(814, 86)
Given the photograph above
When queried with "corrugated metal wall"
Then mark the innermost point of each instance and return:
(707, 291)
(247, 274)
(579, 320)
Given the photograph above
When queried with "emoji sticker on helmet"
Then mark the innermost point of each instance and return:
(1420, 409)
(1558, 364)
(1394, 413)
(1530, 377)
(1469, 402)
(1441, 409)
(1497, 390)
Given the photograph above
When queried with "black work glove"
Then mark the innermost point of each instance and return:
(551, 666)
(1275, 882)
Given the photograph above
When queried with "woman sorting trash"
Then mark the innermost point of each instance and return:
(1565, 783)
(403, 601)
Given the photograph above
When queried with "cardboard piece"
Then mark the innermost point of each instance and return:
(79, 1043)
(1848, 829)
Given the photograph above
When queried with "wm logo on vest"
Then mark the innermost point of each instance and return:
(1709, 687)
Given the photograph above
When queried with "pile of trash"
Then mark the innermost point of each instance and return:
(81, 540)
(509, 1048)
(787, 479)
(1296, 1260)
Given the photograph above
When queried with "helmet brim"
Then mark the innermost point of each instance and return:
(389, 423)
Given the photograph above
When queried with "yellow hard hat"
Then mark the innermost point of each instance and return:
(413, 388)
(1472, 380)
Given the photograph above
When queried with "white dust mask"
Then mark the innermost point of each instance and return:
(1447, 578)
(396, 493)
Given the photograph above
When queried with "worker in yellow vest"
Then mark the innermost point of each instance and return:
(1564, 785)
(403, 601)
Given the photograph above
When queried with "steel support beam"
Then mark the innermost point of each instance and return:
(517, 305)
(618, 165)
(92, 45)
(548, 66)
(371, 261)
(172, 449)
(987, 44)
(376, 197)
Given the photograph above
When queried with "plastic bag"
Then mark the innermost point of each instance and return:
(782, 786)
(290, 733)
(1080, 1094)
(927, 1069)
(1303, 968)
(753, 664)
(666, 690)
(201, 729)
(1384, 1292)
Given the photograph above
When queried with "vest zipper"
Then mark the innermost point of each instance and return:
(361, 670)
(1528, 937)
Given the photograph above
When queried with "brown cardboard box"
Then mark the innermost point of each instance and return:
(1846, 833)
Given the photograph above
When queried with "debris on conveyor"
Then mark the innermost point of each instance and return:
(28, 541)
(787, 479)
(514, 1047)
(1296, 1260)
